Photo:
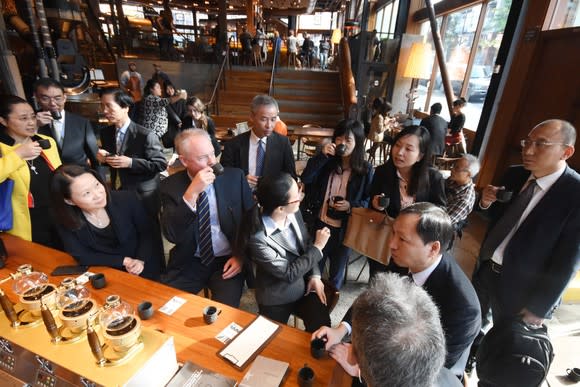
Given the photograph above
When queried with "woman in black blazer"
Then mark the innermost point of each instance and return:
(406, 177)
(287, 276)
(102, 228)
(334, 185)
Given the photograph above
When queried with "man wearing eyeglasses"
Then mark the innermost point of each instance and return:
(532, 247)
(201, 214)
(74, 135)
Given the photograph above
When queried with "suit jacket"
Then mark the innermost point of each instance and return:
(280, 271)
(437, 128)
(79, 142)
(279, 156)
(458, 306)
(133, 230)
(386, 181)
(544, 253)
(180, 224)
(143, 146)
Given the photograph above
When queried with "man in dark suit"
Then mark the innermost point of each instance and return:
(261, 151)
(133, 153)
(421, 236)
(437, 128)
(74, 135)
(532, 247)
(201, 215)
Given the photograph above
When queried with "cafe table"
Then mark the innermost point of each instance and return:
(194, 339)
(309, 132)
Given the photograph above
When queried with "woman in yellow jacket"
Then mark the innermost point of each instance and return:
(28, 159)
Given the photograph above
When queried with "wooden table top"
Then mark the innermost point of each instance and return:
(312, 132)
(194, 340)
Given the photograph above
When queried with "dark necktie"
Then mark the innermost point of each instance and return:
(507, 222)
(260, 158)
(204, 224)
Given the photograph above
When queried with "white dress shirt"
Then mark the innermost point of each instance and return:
(253, 152)
(58, 127)
(543, 184)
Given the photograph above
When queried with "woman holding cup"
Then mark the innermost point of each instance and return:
(28, 159)
(337, 179)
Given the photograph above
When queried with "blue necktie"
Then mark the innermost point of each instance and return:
(204, 224)
(260, 158)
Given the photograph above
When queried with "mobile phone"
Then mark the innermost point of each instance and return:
(337, 198)
(69, 270)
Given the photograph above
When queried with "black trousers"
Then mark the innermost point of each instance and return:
(309, 308)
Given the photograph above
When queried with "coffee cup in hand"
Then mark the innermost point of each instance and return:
(317, 348)
(503, 196)
(340, 150)
(384, 201)
(217, 169)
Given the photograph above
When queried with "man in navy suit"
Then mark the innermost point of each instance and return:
(133, 153)
(243, 151)
(73, 134)
(185, 222)
(524, 270)
(421, 236)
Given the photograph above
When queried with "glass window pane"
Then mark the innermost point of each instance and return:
(566, 14)
(394, 18)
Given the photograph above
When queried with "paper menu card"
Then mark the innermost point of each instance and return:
(245, 346)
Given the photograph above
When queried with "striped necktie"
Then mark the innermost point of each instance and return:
(204, 224)
(260, 158)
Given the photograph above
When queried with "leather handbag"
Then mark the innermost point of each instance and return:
(368, 233)
(6, 214)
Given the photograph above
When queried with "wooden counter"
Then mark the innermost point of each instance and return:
(194, 340)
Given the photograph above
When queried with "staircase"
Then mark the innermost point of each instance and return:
(304, 97)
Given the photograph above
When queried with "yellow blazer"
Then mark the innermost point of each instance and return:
(15, 168)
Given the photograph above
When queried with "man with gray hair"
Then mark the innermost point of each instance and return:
(397, 337)
(460, 190)
(261, 151)
(201, 214)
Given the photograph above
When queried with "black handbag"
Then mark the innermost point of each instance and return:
(513, 355)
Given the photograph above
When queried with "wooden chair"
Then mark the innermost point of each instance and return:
(310, 145)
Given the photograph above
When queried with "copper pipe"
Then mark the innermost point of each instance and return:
(440, 56)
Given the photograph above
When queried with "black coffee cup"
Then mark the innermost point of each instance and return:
(384, 201)
(573, 374)
(55, 115)
(305, 376)
(503, 196)
(317, 348)
(145, 310)
(337, 198)
(98, 281)
(340, 150)
(217, 169)
(44, 143)
(210, 314)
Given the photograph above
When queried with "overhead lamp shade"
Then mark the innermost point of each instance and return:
(418, 64)
(336, 35)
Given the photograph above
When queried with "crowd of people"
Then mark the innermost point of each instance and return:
(256, 222)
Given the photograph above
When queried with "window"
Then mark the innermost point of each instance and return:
(459, 30)
(566, 14)
(386, 20)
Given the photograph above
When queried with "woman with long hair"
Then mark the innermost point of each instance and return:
(287, 275)
(337, 180)
(196, 118)
(103, 228)
(406, 177)
(28, 159)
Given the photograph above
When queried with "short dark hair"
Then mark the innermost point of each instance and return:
(121, 97)
(420, 171)
(150, 85)
(46, 83)
(69, 216)
(434, 223)
(7, 102)
(459, 102)
(272, 192)
(436, 108)
(397, 334)
(357, 158)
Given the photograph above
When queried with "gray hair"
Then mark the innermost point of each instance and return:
(567, 130)
(182, 138)
(263, 100)
(397, 334)
(473, 164)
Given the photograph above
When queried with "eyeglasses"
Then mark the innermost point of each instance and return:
(540, 144)
(48, 98)
(300, 198)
